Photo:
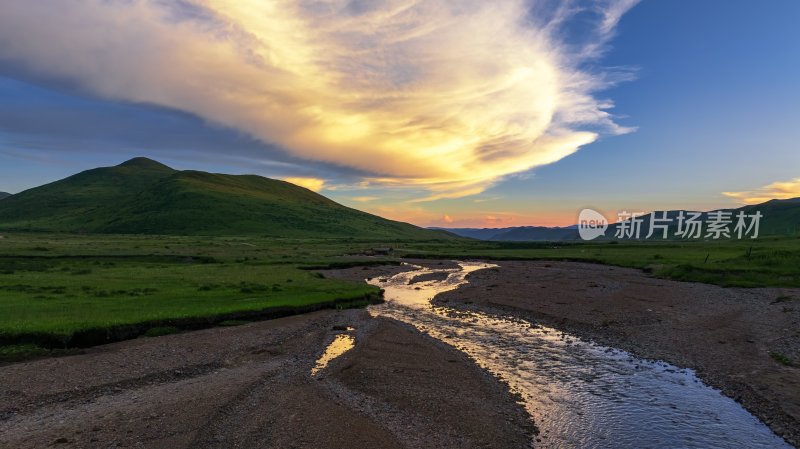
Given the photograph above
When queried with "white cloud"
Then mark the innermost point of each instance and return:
(444, 96)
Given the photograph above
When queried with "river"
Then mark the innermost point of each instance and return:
(579, 394)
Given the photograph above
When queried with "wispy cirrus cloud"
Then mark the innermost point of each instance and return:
(446, 97)
(777, 190)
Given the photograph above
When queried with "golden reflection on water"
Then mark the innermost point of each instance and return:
(341, 344)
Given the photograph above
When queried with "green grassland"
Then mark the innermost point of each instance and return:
(62, 297)
(68, 290)
(65, 290)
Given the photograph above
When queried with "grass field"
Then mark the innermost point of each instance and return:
(64, 290)
(61, 291)
(765, 262)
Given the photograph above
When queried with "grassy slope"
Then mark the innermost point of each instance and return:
(781, 217)
(79, 202)
(204, 203)
(143, 196)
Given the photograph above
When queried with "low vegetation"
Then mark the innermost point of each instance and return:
(90, 289)
(68, 290)
(764, 262)
(782, 359)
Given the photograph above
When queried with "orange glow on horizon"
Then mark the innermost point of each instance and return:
(425, 218)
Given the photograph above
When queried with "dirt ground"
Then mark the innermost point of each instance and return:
(250, 387)
(730, 336)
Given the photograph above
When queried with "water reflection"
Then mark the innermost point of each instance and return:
(579, 394)
(340, 344)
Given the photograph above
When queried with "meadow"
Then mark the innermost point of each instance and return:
(62, 291)
(764, 262)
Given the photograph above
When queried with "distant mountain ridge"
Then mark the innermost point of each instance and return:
(780, 217)
(142, 196)
(4, 195)
(517, 233)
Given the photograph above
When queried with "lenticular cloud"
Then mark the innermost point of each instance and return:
(445, 95)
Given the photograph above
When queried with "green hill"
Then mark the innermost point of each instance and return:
(781, 217)
(142, 196)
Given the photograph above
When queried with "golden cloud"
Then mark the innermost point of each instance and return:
(364, 199)
(776, 190)
(313, 184)
(449, 96)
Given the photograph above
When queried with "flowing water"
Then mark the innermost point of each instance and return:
(579, 394)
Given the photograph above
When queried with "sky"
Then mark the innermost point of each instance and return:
(440, 113)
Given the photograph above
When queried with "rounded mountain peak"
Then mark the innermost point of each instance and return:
(144, 163)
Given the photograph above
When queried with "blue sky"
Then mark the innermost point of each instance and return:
(712, 103)
(715, 103)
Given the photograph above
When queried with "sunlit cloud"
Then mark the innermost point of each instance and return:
(776, 190)
(443, 96)
(313, 184)
(364, 199)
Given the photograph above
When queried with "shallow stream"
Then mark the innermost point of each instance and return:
(580, 395)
